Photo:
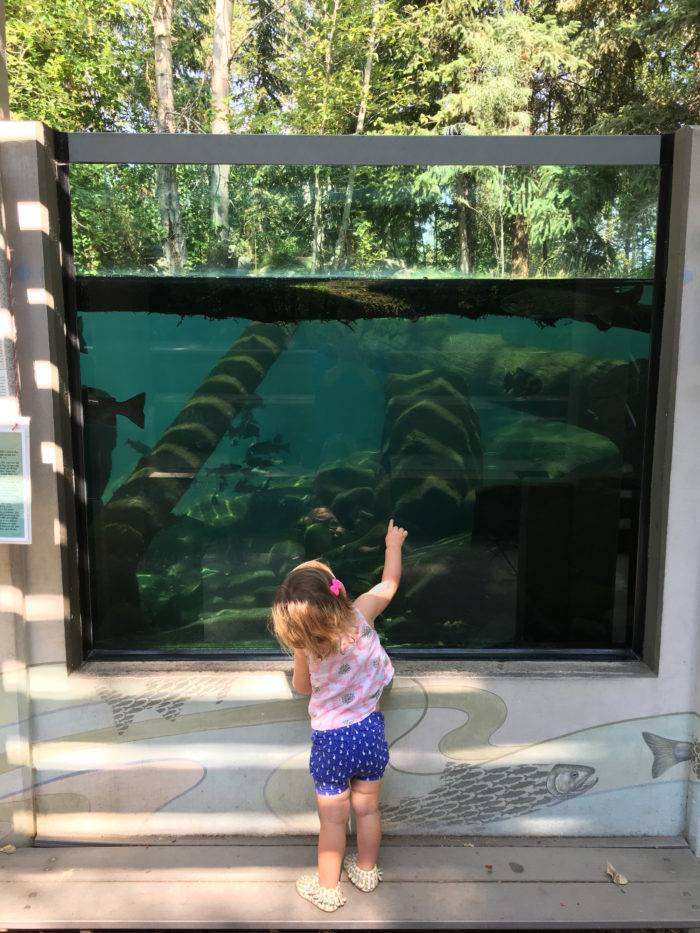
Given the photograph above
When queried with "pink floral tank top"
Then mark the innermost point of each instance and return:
(345, 687)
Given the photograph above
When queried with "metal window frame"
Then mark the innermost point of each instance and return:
(261, 149)
(137, 148)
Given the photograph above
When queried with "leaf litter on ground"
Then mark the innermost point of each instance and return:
(615, 876)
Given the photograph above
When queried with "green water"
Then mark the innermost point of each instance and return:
(511, 451)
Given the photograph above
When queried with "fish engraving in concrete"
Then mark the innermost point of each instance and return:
(468, 794)
(164, 695)
(670, 752)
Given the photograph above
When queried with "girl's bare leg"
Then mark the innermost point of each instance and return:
(364, 796)
(333, 812)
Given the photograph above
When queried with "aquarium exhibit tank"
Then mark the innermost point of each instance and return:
(463, 349)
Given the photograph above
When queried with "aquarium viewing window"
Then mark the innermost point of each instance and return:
(342, 330)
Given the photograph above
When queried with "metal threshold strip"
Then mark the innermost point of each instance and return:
(405, 654)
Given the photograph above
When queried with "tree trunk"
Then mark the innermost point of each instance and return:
(465, 225)
(501, 221)
(339, 252)
(219, 191)
(142, 505)
(519, 255)
(166, 178)
(317, 234)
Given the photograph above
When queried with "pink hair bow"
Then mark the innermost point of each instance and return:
(335, 587)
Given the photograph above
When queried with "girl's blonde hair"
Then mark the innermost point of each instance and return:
(306, 615)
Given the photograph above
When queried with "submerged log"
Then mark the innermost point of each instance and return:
(431, 455)
(142, 506)
(604, 303)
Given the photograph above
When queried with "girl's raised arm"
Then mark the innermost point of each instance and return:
(375, 601)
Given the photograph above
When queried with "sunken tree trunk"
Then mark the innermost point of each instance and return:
(142, 506)
(605, 303)
(431, 452)
(166, 179)
(219, 191)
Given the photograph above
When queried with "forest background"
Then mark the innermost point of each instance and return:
(360, 66)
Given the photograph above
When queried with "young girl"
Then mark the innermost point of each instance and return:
(339, 662)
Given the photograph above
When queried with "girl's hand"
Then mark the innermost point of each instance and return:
(378, 598)
(395, 536)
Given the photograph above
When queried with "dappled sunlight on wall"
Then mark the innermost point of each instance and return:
(190, 754)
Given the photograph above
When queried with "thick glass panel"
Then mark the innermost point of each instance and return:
(376, 221)
(222, 452)
(465, 349)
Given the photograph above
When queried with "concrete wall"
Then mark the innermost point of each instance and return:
(187, 749)
(678, 527)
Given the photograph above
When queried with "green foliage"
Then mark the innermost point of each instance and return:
(76, 64)
(445, 66)
(641, 76)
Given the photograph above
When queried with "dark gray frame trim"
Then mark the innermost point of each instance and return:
(206, 148)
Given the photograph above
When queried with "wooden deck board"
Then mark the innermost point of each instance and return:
(400, 864)
(251, 887)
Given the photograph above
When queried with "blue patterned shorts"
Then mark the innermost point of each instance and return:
(355, 751)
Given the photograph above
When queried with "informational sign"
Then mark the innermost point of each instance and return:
(8, 381)
(15, 483)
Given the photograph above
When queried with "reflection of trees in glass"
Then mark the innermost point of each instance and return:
(503, 221)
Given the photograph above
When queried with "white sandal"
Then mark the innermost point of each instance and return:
(328, 899)
(366, 879)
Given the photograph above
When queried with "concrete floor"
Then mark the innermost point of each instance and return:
(428, 885)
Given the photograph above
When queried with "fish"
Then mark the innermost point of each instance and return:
(268, 447)
(225, 469)
(244, 485)
(245, 430)
(157, 694)
(100, 411)
(261, 462)
(669, 752)
(216, 512)
(103, 405)
(472, 794)
(138, 446)
(522, 383)
(320, 515)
